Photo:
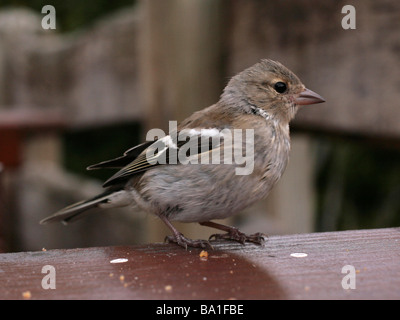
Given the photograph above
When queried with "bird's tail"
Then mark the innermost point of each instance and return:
(109, 198)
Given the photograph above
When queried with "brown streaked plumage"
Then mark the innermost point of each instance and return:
(262, 99)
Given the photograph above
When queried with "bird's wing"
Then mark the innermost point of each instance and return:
(174, 149)
(120, 162)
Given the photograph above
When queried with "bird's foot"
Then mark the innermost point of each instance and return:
(236, 235)
(184, 242)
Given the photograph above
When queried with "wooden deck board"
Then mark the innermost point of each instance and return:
(231, 271)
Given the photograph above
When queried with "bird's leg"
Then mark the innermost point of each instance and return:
(233, 233)
(181, 240)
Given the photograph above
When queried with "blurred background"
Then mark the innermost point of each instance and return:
(111, 70)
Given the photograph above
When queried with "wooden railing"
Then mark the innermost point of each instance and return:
(362, 264)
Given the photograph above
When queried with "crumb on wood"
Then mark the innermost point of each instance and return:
(168, 288)
(203, 255)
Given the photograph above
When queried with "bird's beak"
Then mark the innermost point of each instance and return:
(308, 97)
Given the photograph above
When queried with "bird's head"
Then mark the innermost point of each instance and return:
(272, 87)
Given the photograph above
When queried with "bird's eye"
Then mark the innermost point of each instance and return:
(280, 87)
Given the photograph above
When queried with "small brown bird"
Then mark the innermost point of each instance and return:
(246, 135)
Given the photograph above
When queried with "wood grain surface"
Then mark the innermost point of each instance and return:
(304, 266)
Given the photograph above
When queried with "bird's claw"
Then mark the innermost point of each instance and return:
(236, 235)
(184, 242)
